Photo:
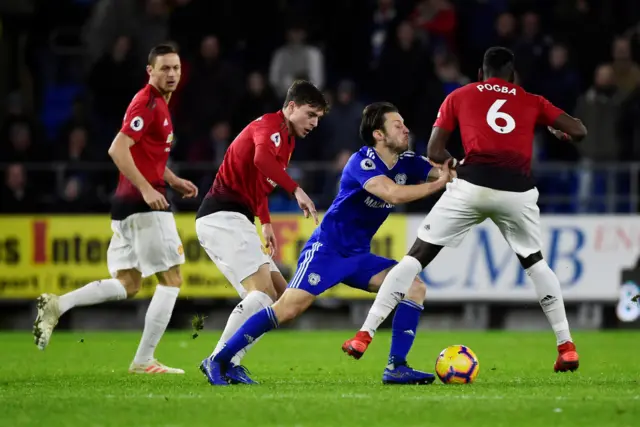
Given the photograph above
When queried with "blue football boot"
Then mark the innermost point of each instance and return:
(401, 373)
(238, 374)
(214, 372)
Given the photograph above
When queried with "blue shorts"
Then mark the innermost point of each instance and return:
(320, 269)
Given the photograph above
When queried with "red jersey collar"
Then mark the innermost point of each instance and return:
(156, 91)
(280, 114)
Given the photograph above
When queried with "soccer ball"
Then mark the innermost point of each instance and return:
(457, 364)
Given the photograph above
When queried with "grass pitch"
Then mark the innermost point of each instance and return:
(306, 380)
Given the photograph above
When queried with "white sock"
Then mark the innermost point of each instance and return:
(250, 305)
(156, 321)
(393, 289)
(550, 297)
(93, 293)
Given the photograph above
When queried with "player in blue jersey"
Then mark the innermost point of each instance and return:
(377, 177)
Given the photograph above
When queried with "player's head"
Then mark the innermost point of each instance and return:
(303, 107)
(164, 68)
(383, 126)
(498, 62)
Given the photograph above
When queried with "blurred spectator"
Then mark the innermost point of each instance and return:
(152, 28)
(626, 70)
(629, 127)
(598, 108)
(403, 69)
(383, 24)
(342, 125)
(449, 74)
(213, 89)
(258, 100)
(21, 147)
(505, 30)
(437, 18)
(113, 81)
(531, 50)
(560, 84)
(108, 20)
(213, 146)
(296, 60)
(16, 194)
(76, 197)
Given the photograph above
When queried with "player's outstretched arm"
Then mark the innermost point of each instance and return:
(121, 155)
(386, 189)
(436, 149)
(567, 128)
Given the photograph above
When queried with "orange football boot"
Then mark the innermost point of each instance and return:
(567, 358)
(356, 346)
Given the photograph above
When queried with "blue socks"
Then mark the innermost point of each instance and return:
(257, 325)
(405, 324)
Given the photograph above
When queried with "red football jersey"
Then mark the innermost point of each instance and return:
(497, 121)
(148, 122)
(253, 165)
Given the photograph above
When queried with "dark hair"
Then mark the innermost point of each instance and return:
(373, 119)
(160, 50)
(303, 92)
(498, 62)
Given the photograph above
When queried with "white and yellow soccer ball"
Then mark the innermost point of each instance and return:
(457, 364)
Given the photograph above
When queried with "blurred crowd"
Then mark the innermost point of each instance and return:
(70, 67)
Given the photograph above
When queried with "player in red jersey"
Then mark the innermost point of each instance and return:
(497, 120)
(145, 238)
(253, 165)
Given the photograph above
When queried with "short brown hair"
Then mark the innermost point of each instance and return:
(303, 92)
(160, 50)
(373, 119)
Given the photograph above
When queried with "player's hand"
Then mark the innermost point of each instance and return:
(559, 134)
(306, 204)
(185, 187)
(270, 239)
(155, 199)
(445, 174)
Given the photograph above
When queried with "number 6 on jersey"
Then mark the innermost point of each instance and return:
(494, 114)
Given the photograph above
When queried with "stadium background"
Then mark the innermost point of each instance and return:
(69, 69)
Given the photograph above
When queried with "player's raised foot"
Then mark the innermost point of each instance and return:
(214, 372)
(238, 374)
(152, 367)
(356, 346)
(47, 319)
(568, 359)
(403, 374)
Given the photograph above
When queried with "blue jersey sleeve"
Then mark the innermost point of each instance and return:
(361, 169)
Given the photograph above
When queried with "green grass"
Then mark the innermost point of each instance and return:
(307, 381)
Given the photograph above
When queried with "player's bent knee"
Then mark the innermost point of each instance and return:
(292, 304)
(417, 291)
(531, 260)
(171, 277)
(424, 252)
(131, 280)
(261, 281)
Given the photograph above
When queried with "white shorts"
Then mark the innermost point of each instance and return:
(233, 244)
(148, 242)
(464, 205)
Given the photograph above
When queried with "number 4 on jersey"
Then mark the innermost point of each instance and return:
(494, 114)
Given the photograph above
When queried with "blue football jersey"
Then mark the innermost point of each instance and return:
(356, 215)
